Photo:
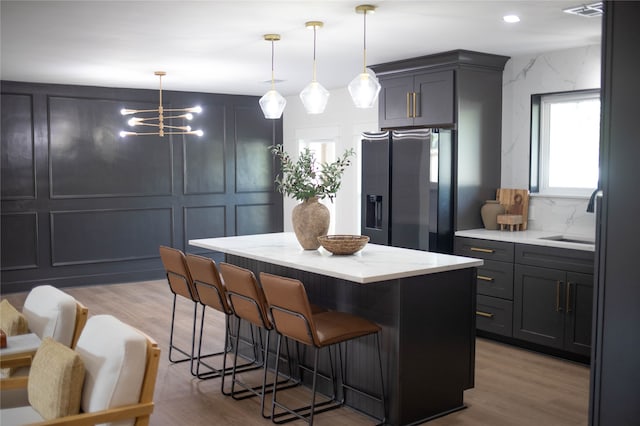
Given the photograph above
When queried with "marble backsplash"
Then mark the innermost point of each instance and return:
(566, 216)
(556, 71)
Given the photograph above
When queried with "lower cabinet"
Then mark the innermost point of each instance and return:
(553, 308)
(537, 294)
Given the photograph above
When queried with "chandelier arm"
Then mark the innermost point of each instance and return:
(138, 111)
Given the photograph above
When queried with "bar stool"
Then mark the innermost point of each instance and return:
(211, 292)
(181, 284)
(293, 317)
(249, 303)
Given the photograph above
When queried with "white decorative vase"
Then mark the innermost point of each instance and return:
(310, 220)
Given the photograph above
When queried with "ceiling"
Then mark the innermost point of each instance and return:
(217, 46)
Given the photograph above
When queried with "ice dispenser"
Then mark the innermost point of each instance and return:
(374, 211)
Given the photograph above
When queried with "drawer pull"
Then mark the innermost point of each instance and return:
(482, 250)
(558, 307)
(484, 314)
(485, 278)
(415, 112)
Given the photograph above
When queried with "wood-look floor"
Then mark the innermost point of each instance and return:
(514, 387)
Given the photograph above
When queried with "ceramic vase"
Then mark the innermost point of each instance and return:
(489, 212)
(310, 220)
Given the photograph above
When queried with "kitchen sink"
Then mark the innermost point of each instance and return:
(566, 239)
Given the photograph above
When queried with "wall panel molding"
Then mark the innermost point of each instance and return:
(99, 236)
(17, 147)
(19, 240)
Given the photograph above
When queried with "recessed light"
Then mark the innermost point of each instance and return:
(511, 19)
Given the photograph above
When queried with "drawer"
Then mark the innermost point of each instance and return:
(496, 279)
(555, 258)
(484, 249)
(494, 315)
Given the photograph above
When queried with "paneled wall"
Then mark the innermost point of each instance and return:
(81, 205)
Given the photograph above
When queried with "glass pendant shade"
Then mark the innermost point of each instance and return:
(364, 90)
(314, 98)
(272, 104)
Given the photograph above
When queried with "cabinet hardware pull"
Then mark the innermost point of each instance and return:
(558, 308)
(415, 111)
(484, 314)
(408, 105)
(485, 278)
(482, 250)
(568, 296)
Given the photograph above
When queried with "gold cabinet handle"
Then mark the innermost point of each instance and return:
(558, 308)
(408, 105)
(485, 278)
(482, 250)
(415, 111)
(484, 314)
(568, 301)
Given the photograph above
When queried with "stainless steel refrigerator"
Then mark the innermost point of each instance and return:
(407, 189)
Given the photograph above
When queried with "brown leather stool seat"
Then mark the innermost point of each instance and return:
(293, 317)
(211, 292)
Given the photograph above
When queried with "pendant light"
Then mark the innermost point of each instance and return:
(314, 97)
(364, 88)
(272, 103)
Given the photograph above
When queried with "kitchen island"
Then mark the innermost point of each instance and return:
(425, 303)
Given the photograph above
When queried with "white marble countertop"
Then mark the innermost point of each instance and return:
(372, 264)
(530, 237)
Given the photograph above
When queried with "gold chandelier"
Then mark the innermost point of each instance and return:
(157, 122)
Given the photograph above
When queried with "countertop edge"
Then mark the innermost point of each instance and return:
(524, 237)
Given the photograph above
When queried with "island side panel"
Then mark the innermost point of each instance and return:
(437, 343)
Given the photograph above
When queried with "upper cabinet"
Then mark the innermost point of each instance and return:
(421, 99)
(430, 91)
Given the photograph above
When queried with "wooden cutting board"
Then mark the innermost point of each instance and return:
(515, 201)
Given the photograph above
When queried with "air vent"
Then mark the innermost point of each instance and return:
(586, 10)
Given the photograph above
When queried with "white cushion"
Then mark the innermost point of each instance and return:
(51, 313)
(114, 355)
(19, 416)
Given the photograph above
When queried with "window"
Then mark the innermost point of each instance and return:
(565, 140)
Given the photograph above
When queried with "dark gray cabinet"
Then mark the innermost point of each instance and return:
(553, 297)
(615, 371)
(537, 294)
(423, 99)
(494, 310)
(553, 308)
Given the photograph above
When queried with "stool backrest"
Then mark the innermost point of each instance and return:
(290, 308)
(207, 282)
(246, 295)
(178, 274)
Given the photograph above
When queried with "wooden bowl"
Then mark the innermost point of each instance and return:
(343, 244)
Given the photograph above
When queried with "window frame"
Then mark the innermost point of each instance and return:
(538, 148)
